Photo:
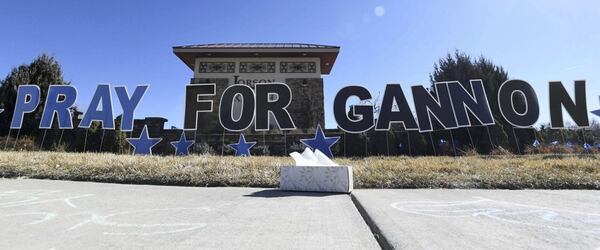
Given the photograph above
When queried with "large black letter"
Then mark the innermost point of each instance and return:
(476, 103)
(387, 116)
(226, 108)
(362, 115)
(506, 98)
(560, 98)
(195, 103)
(440, 107)
(277, 107)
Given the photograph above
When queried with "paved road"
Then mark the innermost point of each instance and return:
(484, 219)
(42, 214)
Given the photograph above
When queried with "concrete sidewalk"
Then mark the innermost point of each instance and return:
(483, 219)
(43, 214)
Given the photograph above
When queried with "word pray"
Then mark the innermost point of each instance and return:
(61, 98)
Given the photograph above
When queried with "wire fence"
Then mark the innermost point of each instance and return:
(384, 143)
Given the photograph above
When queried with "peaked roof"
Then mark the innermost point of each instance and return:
(326, 53)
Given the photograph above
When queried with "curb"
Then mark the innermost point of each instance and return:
(383, 242)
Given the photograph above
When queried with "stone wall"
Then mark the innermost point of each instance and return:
(307, 102)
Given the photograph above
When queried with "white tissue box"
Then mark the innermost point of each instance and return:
(336, 179)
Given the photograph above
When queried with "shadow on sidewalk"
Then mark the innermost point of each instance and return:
(274, 193)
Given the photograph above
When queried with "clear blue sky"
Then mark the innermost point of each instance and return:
(129, 42)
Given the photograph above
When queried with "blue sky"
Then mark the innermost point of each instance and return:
(130, 42)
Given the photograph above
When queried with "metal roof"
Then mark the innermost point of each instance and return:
(326, 53)
(257, 45)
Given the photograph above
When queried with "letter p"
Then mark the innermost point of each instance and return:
(28, 98)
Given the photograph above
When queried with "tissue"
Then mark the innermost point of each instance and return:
(315, 172)
(310, 158)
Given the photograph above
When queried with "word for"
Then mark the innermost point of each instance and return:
(257, 104)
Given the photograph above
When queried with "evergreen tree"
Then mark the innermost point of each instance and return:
(461, 67)
(43, 71)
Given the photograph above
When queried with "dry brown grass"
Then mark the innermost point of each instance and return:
(511, 172)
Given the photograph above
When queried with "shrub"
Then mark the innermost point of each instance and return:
(24, 143)
(204, 149)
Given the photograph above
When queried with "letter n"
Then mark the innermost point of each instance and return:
(559, 99)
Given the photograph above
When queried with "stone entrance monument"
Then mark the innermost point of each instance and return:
(300, 66)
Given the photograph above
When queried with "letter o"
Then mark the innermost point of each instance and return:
(226, 108)
(506, 96)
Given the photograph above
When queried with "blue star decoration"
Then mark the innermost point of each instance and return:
(1, 110)
(321, 142)
(182, 146)
(143, 145)
(596, 112)
(242, 148)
